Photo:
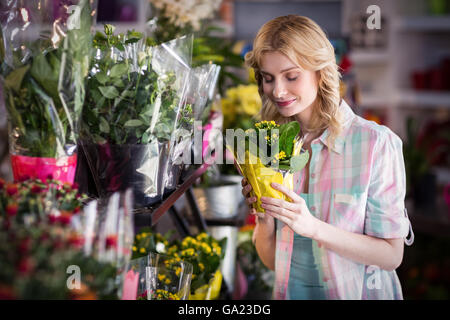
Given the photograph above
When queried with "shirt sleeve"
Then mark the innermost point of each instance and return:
(385, 212)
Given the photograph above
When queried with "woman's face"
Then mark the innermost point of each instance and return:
(291, 88)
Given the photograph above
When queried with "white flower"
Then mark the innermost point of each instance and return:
(160, 247)
(184, 12)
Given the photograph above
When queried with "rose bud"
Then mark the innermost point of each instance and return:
(65, 218)
(12, 189)
(36, 189)
(12, 209)
(111, 241)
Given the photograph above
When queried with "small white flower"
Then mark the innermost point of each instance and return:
(160, 247)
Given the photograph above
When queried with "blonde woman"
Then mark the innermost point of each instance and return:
(342, 235)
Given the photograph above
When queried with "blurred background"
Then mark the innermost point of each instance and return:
(395, 71)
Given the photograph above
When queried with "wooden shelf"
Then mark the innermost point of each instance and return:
(366, 58)
(150, 216)
(433, 99)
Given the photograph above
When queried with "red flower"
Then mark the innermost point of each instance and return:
(12, 209)
(2, 183)
(111, 241)
(7, 293)
(25, 266)
(76, 241)
(52, 219)
(65, 218)
(25, 245)
(24, 178)
(76, 210)
(75, 186)
(12, 189)
(36, 189)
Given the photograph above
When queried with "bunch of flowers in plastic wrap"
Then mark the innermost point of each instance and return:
(269, 153)
(135, 93)
(42, 73)
(204, 252)
(52, 246)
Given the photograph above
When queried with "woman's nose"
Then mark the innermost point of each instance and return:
(279, 89)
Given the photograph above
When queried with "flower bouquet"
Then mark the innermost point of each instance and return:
(269, 153)
(42, 73)
(51, 245)
(133, 103)
(203, 252)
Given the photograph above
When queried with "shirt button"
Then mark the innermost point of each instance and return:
(313, 208)
(313, 175)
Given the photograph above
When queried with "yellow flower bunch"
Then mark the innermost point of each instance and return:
(240, 104)
(160, 294)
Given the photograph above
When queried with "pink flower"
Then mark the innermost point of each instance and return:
(12, 209)
(12, 189)
(65, 218)
(111, 241)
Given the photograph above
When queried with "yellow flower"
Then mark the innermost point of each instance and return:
(161, 277)
(134, 248)
(201, 266)
(142, 250)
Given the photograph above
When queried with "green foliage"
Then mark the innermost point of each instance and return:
(45, 92)
(127, 101)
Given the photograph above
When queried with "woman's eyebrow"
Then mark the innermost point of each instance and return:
(282, 71)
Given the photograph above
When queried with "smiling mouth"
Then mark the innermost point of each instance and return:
(284, 103)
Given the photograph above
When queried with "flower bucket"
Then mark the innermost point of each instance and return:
(141, 167)
(209, 291)
(62, 169)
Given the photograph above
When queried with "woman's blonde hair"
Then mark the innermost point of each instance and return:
(305, 43)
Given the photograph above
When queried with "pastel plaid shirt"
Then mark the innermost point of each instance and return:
(358, 186)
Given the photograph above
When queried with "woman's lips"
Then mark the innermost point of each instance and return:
(284, 103)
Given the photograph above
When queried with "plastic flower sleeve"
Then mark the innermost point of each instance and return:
(134, 94)
(202, 85)
(44, 60)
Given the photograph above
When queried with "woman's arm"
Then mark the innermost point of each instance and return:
(368, 250)
(264, 240)
(264, 232)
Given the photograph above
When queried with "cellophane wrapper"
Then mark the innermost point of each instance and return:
(44, 55)
(128, 141)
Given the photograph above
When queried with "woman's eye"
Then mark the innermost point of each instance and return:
(291, 79)
(268, 80)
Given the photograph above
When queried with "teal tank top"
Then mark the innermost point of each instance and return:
(304, 279)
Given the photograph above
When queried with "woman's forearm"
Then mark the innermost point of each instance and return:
(384, 253)
(264, 241)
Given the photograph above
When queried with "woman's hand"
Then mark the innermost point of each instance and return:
(294, 214)
(250, 199)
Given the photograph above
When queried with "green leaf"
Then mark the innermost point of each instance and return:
(133, 123)
(118, 70)
(104, 125)
(288, 132)
(101, 77)
(299, 162)
(14, 79)
(109, 92)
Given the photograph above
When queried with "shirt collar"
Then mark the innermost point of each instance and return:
(347, 115)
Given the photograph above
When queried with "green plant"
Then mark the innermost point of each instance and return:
(128, 101)
(44, 91)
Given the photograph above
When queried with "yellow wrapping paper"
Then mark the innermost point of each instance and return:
(260, 177)
(209, 291)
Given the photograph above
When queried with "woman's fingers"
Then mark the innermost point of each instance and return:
(279, 203)
(289, 193)
(279, 210)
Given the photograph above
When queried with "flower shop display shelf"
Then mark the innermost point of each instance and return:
(149, 216)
